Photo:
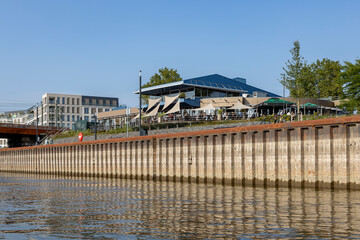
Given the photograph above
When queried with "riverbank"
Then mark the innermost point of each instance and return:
(308, 154)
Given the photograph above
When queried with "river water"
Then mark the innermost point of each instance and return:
(49, 207)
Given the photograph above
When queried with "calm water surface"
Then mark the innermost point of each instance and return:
(48, 207)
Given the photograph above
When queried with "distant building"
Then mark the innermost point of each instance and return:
(64, 110)
(3, 143)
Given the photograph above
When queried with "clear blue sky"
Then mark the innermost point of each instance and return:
(97, 47)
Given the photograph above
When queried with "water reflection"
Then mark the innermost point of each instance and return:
(49, 207)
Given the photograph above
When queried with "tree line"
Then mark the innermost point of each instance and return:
(323, 78)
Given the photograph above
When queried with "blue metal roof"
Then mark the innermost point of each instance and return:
(214, 81)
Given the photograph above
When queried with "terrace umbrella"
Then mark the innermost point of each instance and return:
(239, 106)
(309, 106)
(207, 107)
(275, 102)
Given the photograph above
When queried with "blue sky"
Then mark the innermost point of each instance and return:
(98, 47)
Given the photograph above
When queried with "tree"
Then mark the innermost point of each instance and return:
(351, 84)
(165, 75)
(327, 75)
(320, 79)
(294, 78)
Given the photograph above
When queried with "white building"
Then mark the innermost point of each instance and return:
(3, 143)
(64, 110)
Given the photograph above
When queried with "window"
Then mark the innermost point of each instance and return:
(106, 110)
(73, 110)
(86, 110)
(217, 94)
(63, 100)
(87, 118)
(77, 101)
(197, 92)
(100, 110)
(190, 94)
(93, 110)
(68, 118)
(58, 100)
(93, 102)
(107, 103)
(68, 109)
(77, 118)
(114, 103)
(68, 101)
(78, 110)
(73, 118)
(73, 101)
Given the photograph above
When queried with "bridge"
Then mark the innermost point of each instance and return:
(20, 135)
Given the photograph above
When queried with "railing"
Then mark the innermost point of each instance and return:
(11, 125)
(46, 139)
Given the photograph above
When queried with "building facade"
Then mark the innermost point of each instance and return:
(3, 143)
(211, 86)
(64, 110)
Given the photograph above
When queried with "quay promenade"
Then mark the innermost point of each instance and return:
(315, 154)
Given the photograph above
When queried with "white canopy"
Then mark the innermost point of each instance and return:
(207, 107)
(240, 106)
(153, 112)
(137, 116)
(152, 103)
(175, 108)
(169, 101)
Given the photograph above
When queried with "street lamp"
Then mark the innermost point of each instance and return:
(37, 125)
(95, 130)
(140, 103)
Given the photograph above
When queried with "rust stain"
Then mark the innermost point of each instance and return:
(278, 126)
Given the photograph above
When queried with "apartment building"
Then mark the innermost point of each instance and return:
(3, 143)
(64, 110)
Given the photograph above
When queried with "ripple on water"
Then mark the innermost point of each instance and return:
(48, 207)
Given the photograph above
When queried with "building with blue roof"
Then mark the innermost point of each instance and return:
(211, 86)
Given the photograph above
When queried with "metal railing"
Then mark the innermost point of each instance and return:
(23, 126)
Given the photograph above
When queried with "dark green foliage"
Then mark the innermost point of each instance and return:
(327, 74)
(351, 80)
(320, 79)
(165, 75)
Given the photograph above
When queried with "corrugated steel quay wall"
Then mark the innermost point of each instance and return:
(319, 153)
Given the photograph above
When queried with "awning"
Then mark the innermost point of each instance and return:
(152, 103)
(175, 108)
(310, 105)
(153, 112)
(207, 107)
(275, 102)
(169, 101)
(137, 116)
(240, 106)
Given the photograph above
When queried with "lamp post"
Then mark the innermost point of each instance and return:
(140, 132)
(95, 130)
(37, 125)
(127, 121)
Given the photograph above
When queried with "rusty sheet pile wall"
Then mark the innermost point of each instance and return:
(320, 153)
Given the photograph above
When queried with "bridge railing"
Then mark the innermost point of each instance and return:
(23, 126)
